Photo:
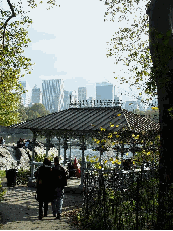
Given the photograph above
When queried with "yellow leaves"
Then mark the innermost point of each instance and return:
(136, 137)
(127, 154)
(117, 126)
(117, 136)
(116, 162)
(118, 114)
(154, 108)
(115, 133)
(110, 135)
(98, 141)
(111, 125)
(148, 153)
(102, 129)
(103, 141)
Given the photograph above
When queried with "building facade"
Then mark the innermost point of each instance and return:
(25, 99)
(104, 91)
(82, 93)
(36, 95)
(66, 99)
(53, 94)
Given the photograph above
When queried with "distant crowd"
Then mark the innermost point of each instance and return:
(22, 143)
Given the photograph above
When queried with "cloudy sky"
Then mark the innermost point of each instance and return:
(70, 42)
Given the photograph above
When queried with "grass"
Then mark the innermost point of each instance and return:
(2, 173)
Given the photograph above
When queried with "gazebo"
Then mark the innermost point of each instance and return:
(86, 122)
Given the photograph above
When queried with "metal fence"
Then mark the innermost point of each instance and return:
(120, 199)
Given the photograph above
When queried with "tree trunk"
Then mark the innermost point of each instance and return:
(161, 48)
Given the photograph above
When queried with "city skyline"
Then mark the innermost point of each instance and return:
(75, 50)
(56, 98)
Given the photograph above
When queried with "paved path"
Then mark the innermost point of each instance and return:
(19, 209)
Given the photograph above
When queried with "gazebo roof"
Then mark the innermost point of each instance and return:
(89, 120)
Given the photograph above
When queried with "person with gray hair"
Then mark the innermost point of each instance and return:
(59, 181)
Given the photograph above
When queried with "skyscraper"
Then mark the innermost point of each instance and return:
(82, 93)
(53, 94)
(104, 91)
(66, 99)
(36, 95)
(25, 99)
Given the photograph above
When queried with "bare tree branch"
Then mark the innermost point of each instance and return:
(6, 22)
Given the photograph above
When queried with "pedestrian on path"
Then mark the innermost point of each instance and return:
(59, 181)
(44, 187)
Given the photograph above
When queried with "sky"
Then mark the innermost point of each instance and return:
(70, 43)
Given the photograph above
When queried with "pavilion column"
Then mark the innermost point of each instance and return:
(83, 148)
(33, 154)
(59, 147)
(70, 151)
(65, 149)
(47, 144)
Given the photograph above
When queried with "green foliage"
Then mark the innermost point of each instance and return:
(13, 64)
(2, 190)
(109, 209)
(23, 175)
(130, 44)
(2, 173)
(36, 111)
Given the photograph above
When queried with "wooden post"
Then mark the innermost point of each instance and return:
(65, 148)
(70, 151)
(83, 160)
(47, 144)
(33, 155)
(59, 146)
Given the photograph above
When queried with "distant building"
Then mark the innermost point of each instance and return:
(36, 95)
(104, 91)
(82, 93)
(25, 100)
(66, 99)
(53, 94)
(73, 95)
(131, 105)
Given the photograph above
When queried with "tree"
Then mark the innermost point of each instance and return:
(158, 59)
(35, 111)
(161, 48)
(13, 39)
(22, 113)
(13, 64)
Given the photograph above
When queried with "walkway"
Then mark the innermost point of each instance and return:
(19, 209)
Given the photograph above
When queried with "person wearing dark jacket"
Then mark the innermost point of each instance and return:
(59, 181)
(44, 186)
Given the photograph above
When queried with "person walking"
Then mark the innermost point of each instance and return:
(59, 181)
(44, 187)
